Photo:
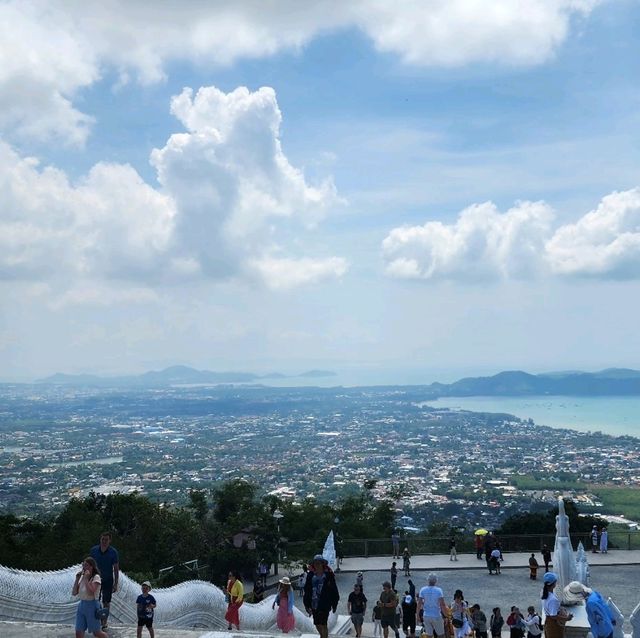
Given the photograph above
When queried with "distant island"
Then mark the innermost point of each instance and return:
(609, 382)
(173, 375)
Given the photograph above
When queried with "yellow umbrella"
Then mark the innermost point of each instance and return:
(481, 532)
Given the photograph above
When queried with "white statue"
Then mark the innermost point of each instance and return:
(583, 574)
(329, 552)
(616, 614)
(563, 560)
(634, 619)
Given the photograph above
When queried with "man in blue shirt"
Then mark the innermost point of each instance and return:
(108, 563)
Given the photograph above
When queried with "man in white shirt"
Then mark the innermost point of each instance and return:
(431, 603)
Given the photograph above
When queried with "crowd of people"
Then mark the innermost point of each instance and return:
(423, 613)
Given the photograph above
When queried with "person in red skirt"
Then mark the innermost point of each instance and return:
(235, 598)
(284, 599)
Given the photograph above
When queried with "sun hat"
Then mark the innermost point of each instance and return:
(550, 578)
(147, 584)
(319, 557)
(285, 580)
(575, 592)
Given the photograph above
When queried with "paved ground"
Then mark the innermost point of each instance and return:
(619, 580)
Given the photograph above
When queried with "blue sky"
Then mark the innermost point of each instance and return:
(402, 192)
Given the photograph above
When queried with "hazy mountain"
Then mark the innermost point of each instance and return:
(311, 374)
(612, 381)
(174, 375)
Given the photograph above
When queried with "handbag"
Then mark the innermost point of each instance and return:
(457, 622)
(102, 613)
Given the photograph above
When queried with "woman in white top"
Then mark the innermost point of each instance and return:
(460, 615)
(87, 588)
(555, 615)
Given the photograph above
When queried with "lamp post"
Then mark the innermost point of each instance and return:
(277, 514)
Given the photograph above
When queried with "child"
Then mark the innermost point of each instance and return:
(145, 603)
(376, 617)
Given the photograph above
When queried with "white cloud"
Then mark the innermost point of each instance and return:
(603, 243)
(51, 51)
(228, 191)
(482, 244)
(232, 184)
(284, 274)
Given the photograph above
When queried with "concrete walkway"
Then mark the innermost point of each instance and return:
(519, 560)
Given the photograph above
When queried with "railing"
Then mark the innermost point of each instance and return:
(421, 545)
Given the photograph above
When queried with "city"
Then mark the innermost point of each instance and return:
(436, 465)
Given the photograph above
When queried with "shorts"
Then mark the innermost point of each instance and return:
(86, 616)
(433, 624)
(320, 617)
(145, 622)
(106, 592)
(388, 622)
(357, 619)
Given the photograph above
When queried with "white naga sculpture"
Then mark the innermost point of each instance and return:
(634, 619)
(46, 597)
(616, 614)
(563, 560)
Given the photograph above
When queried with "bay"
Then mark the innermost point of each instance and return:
(617, 416)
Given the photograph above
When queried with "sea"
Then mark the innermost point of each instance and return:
(618, 416)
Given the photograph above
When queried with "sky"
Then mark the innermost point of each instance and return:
(400, 192)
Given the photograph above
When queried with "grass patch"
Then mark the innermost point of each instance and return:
(618, 501)
(529, 482)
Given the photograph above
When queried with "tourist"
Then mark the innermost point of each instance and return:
(533, 567)
(546, 557)
(555, 615)
(453, 554)
(533, 623)
(409, 607)
(376, 616)
(285, 620)
(393, 572)
(235, 598)
(258, 591)
(460, 615)
(87, 587)
(412, 590)
(388, 603)
(432, 606)
(479, 621)
(496, 622)
(360, 580)
(598, 613)
(479, 546)
(108, 563)
(398, 618)
(604, 541)
(320, 594)
(594, 539)
(145, 606)
(395, 542)
(356, 608)
(515, 622)
(302, 579)
(406, 561)
(494, 561)
(263, 570)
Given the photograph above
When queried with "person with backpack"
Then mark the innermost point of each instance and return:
(515, 620)
(533, 623)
